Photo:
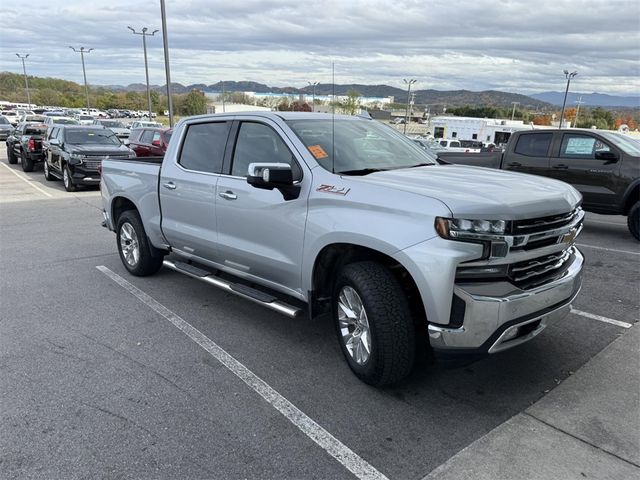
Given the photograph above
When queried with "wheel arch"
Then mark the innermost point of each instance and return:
(333, 257)
(631, 196)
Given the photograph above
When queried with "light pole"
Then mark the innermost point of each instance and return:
(313, 96)
(82, 51)
(165, 42)
(406, 112)
(513, 112)
(144, 35)
(578, 103)
(26, 82)
(568, 76)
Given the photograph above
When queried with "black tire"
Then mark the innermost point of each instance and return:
(27, 163)
(69, 186)
(391, 327)
(11, 157)
(633, 221)
(47, 173)
(149, 258)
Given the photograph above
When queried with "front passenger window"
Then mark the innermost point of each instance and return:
(258, 143)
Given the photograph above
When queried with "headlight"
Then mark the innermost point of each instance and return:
(76, 158)
(458, 228)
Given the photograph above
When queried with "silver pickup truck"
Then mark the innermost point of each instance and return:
(310, 212)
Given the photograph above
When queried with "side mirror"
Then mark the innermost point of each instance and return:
(54, 142)
(607, 156)
(268, 176)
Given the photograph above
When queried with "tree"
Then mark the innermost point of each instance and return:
(195, 103)
(351, 104)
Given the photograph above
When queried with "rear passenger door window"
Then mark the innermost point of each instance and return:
(534, 144)
(259, 143)
(203, 147)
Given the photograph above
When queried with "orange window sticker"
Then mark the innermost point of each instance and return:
(317, 151)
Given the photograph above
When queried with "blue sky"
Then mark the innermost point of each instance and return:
(519, 46)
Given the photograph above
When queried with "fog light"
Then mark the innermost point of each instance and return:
(510, 334)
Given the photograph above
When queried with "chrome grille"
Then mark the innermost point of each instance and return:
(541, 270)
(93, 162)
(535, 225)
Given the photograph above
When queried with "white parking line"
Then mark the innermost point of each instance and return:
(608, 249)
(601, 318)
(606, 223)
(334, 447)
(27, 181)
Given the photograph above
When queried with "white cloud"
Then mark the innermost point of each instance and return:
(510, 45)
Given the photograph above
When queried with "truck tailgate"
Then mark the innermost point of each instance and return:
(482, 159)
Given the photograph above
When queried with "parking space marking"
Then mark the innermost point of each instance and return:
(27, 181)
(606, 223)
(334, 447)
(607, 249)
(601, 318)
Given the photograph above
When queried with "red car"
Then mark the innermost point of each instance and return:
(149, 142)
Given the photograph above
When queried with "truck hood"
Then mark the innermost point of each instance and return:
(475, 192)
(98, 149)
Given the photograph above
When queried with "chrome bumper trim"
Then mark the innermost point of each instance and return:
(486, 314)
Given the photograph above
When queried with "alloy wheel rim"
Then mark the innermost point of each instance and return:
(129, 244)
(65, 176)
(354, 325)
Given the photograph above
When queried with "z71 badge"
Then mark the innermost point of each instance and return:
(333, 189)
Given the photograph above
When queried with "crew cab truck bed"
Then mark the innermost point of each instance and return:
(299, 211)
(603, 166)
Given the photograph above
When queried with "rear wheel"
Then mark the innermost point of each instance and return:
(69, 186)
(374, 324)
(47, 173)
(633, 221)
(27, 163)
(137, 254)
(11, 157)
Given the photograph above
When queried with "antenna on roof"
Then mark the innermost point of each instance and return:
(333, 118)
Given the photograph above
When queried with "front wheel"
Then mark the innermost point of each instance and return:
(374, 323)
(137, 254)
(633, 221)
(69, 186)
(11, 157)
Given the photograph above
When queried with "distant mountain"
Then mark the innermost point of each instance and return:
(589, 99)
(452, 98)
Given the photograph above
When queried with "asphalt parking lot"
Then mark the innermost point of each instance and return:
(97, 382)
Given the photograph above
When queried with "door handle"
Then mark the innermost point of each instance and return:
(169, 185)
(228, 195)
(560, 166)
(514, 164)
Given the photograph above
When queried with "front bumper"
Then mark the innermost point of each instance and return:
(499, 316)
(84, 176)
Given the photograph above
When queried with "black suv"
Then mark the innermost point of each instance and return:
(75, 153)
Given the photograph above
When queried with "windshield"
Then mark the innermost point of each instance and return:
(85, 117)
(359, 145)
(626, 144)
(4, 121)
(93, 136)
(112, 124)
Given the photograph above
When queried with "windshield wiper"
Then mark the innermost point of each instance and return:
(362, 171)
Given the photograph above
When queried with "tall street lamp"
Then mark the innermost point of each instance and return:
(26, 82)
(313, 96)
(406, 112)
(568, 76)
(144, 35)
(165, 43)
(82, 51)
